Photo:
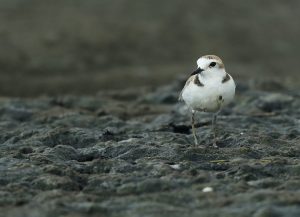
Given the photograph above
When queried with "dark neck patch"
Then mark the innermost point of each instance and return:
(226, 78)
(198, 82)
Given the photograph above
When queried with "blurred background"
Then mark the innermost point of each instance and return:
(56, 47)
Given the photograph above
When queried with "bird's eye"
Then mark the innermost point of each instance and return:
(212, 64)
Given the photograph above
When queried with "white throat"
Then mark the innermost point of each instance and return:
(212, 75)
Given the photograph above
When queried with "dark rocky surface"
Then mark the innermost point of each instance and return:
(130, 153)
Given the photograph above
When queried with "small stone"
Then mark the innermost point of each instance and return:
(175, 166)
(207, 189)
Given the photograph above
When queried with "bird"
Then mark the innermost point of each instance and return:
(208, 89)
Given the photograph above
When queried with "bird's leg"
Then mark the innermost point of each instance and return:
(193, 127)
(214, 129)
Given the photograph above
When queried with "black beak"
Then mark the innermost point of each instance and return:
(199, 70)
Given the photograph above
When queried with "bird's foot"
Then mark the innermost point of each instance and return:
(201, 146)
(197, 145)
(215, 145)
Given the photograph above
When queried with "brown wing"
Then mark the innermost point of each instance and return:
(186, 84)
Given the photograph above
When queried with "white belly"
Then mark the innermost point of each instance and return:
(210, 97)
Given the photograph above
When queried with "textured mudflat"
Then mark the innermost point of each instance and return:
(131, 154)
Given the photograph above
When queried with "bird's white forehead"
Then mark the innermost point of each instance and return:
(201, 62)
(206, 60)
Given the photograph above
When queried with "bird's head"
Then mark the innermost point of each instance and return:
(209, 65)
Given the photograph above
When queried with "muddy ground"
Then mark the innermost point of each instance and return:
(131, 154)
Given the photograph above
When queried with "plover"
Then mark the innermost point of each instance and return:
(208, 89)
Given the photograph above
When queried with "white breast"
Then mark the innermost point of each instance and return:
(210, 97)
